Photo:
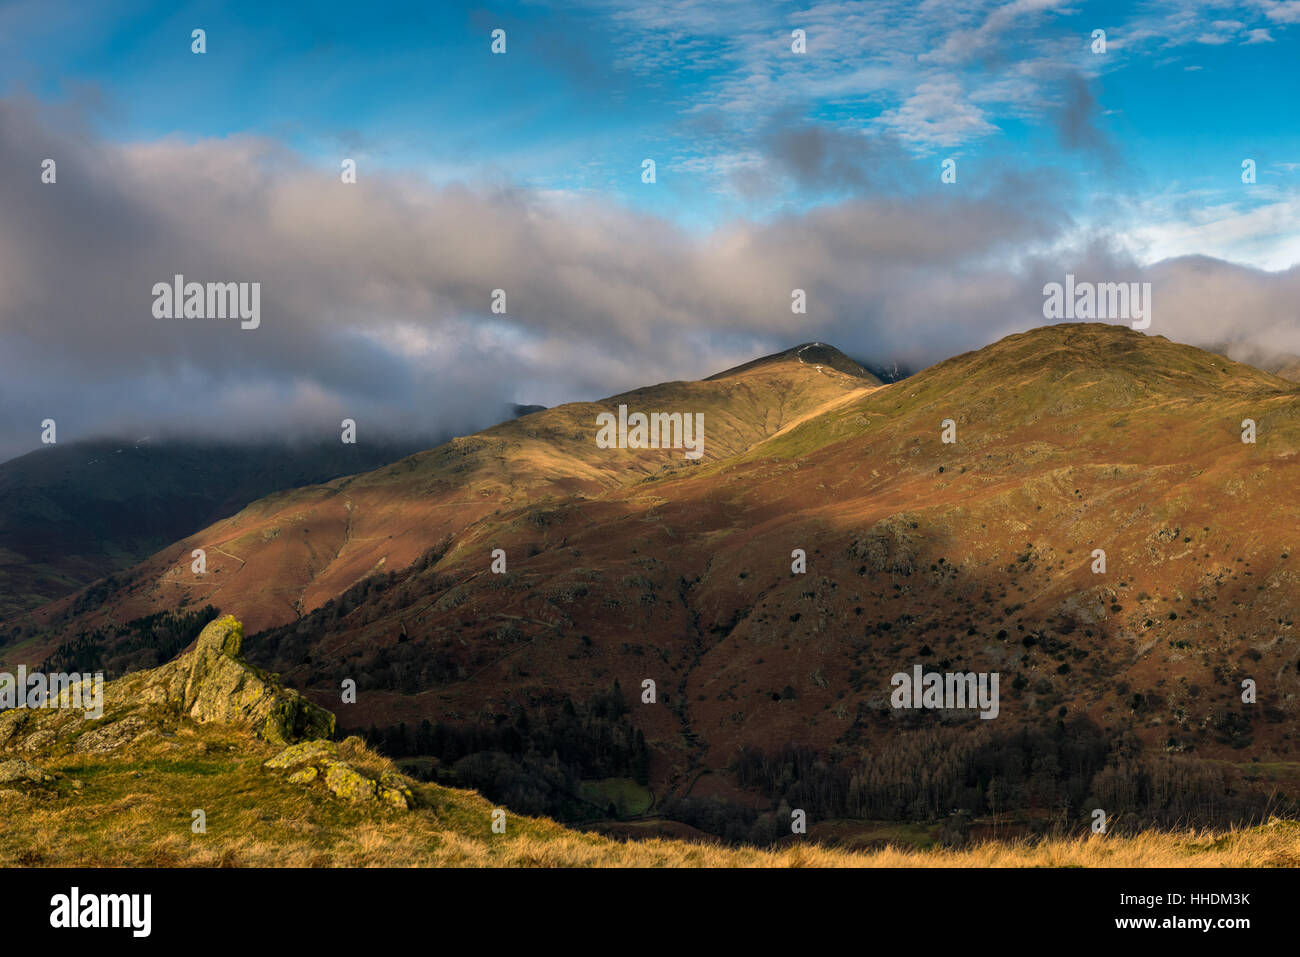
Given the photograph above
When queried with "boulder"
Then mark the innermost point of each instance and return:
(18, 771)
(310, 761)
(214, 683)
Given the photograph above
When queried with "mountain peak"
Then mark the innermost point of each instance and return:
(808, 353)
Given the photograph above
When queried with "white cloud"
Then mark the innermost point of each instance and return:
(1265, 236)
(1280, 11)
(937, 114)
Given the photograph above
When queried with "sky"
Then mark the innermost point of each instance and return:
(1114, 156)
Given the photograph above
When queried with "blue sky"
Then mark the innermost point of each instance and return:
(585, 92)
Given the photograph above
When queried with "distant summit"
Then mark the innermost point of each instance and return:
(809, 353)
(891, 371)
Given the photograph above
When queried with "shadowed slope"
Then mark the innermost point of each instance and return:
(75, 512)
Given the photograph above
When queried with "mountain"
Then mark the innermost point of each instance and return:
(1120, 689)
(814, 354)
(1288, 369)
(518, 411)
(77, 512)
(288, 553)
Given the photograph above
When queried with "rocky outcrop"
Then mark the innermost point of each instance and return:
(155, 712)
(18, 771)
(211, 683)
(891, 546)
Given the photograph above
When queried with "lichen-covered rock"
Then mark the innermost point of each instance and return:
(346, 782)
(22, 780)
(394, 790)
(113, 735)
(319, 760)
(11, 725)
(308, 752)
(38, 740)
(294, 718)
(213, 683)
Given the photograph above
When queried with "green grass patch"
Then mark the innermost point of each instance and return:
(628, 798)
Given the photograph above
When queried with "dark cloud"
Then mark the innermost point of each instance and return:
(1078, 121)
(821, 157)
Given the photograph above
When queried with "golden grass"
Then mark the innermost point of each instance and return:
(364, 758)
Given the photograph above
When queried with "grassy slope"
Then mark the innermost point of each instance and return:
(136, 811)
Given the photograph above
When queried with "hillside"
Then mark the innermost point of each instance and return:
(1289, 370)
(76, 512)
(1120, 689)
(1284, 365)
(286, 554)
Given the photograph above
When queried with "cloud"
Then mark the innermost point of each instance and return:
(1210, 301)
(934, 74)
(937, 114)
(1263, 233)
(1076, 121)
(819, 157)
(1281, 11)
(376, 296)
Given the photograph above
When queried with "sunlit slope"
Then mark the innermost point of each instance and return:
(285, 554)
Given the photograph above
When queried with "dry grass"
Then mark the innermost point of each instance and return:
(366, 759)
